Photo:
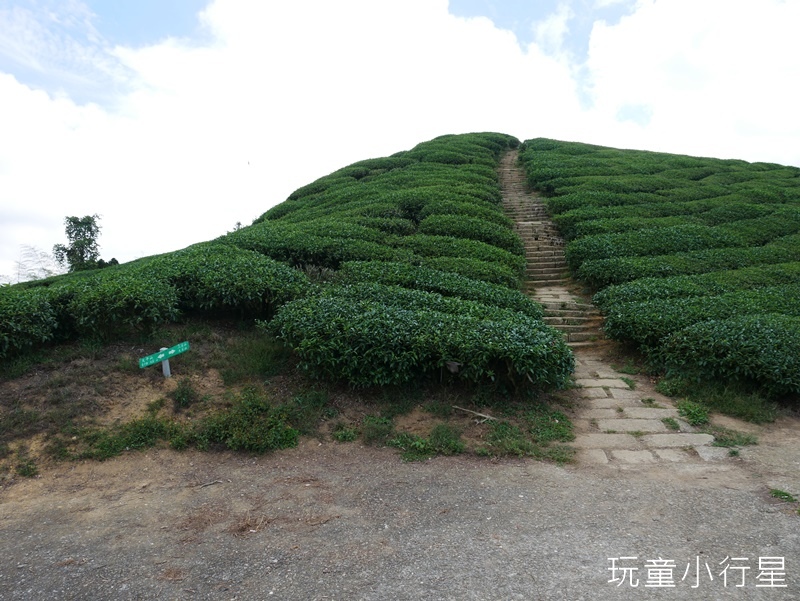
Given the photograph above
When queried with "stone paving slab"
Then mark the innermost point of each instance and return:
(677, 440)
(596, 456)
(601, 413)
(650, 413)
(632, 425)
(673, 455)
(594, 393)
(713, 453)
(626, 393)
(601, 383)
(626, 456)
(599, 440)
(608, 403)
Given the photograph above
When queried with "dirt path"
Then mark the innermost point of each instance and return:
(341, 521)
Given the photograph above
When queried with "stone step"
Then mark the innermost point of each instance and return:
(558, 321)
(548, 263)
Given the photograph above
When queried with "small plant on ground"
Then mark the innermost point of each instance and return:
(631, 384)
(184, 394)
(376, 430)
(628, 368)
(344, 433)
(692, 412)
(443, 440)
(725, 437)
(651, 402)
(782, 495)
(671, 423)
(673, 386)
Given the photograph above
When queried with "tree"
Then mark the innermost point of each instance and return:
(82, 251)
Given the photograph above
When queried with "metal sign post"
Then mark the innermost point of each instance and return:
(163, 357)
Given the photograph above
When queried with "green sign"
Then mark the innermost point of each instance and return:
(164, 355)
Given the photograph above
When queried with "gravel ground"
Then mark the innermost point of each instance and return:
(338, 521)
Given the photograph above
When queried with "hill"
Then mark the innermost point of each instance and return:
(401, 274)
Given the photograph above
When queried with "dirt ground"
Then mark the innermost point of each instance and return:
(342, 521)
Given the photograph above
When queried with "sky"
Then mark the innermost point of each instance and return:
(175, 119)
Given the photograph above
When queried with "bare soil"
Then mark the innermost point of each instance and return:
(334, 520)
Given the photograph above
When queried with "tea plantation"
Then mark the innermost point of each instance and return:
(404, 268)
(389, 271)
(694, 260)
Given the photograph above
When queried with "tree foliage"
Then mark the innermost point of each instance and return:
(82, 252)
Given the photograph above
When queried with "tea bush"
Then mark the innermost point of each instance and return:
(27, 319)
(760, 348)
(389, 335)
(442, 282)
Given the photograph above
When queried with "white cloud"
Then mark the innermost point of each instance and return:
(720, 77)
(208, 135)
(549, 33)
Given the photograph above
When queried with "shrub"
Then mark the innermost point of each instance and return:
(27, 319)
(649, 322)
(367, 342)
(472, 228)
(442, 282)
(761, 348)
(217, 278)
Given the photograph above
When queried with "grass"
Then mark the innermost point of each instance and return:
(631, 384)
(782, 495)
(443, 440)
(534, 437)
(694, 413)
(652, 403)
(251, 356)
(344, 433)
(184, 394)
(671, 423)
(733, 399)
(725, 437)
(629, 368)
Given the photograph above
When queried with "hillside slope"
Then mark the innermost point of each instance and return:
(694, 260)
(384, 272)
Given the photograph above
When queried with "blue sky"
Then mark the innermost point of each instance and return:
(175, 119)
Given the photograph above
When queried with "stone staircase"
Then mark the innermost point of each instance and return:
(620, 421)
(546, 276)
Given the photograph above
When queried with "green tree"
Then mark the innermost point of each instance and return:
(82, 251)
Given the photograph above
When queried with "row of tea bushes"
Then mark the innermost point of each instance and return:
(374, 334)
(685, 253)
(209, 278)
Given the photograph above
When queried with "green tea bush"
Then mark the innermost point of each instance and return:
(761, 348)
(649, 242)
(712, 283)
(475, 269)
(442, 282)
(599, 273)
(218, 277)
(395, 337)
(650, 322)
(114, 303)
(27, 319)
(478, 209)
(472, 228)
(452, 246)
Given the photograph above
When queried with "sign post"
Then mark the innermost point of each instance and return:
(163, 357)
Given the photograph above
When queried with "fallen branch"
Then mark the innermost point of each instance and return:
(483, 415)
(209, 483)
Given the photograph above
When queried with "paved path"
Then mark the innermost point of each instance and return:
(617, 421)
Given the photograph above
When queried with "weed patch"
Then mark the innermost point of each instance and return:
(692, 412)
(443, 440)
